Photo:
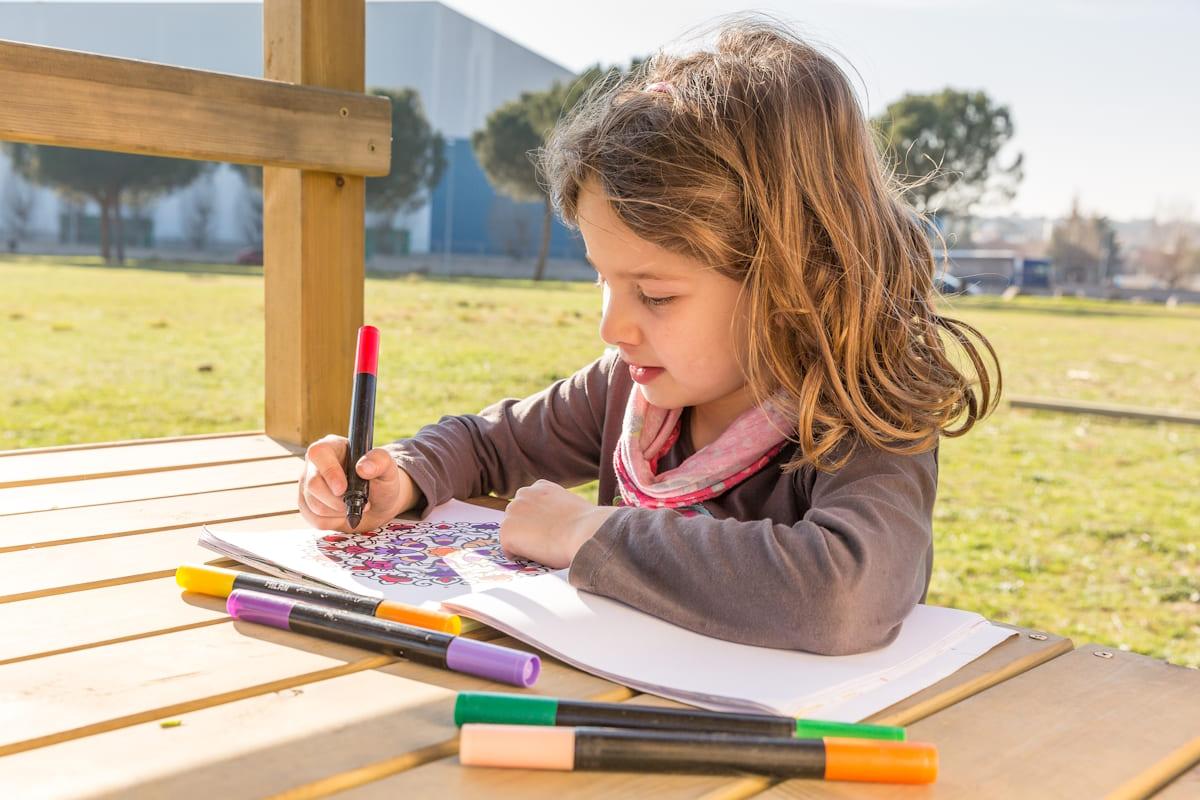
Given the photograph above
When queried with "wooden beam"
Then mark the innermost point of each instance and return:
(313, 230)
(1101, 410)
(72, 99)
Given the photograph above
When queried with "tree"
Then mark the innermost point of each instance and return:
(252, 199)
(418, 159)
(198, 210)
(418, 163)
(1084, 249)
(521, 126)
(108, 178)
(946, 145)
(19, 202)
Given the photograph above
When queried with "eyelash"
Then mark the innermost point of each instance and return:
(652, 302)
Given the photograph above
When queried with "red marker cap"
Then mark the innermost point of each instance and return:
(368, 350)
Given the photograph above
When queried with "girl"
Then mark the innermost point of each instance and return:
(765, 423)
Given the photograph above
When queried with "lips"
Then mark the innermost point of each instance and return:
(644, 375)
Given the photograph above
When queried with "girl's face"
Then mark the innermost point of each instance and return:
(678, 324)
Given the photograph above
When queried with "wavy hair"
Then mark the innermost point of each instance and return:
(754, 157)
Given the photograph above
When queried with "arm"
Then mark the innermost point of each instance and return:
(839, 581)
(554, 434)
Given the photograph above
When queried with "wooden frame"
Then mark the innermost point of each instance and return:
(310, 126)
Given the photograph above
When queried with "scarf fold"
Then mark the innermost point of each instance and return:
(648, 432)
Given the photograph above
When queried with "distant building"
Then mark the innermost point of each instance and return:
(462, 70)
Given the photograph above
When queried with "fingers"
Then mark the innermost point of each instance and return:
(324, 482)
(377, 466)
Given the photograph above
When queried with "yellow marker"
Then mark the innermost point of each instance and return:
(219, 582)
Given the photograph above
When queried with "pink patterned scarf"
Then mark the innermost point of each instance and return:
(647, 434)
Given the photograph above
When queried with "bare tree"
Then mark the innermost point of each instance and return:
(19, 202)
(198, 209)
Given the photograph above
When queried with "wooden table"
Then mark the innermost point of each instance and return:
(99, 648)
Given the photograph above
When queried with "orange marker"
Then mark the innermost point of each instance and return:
(220, 582)
(544, 747)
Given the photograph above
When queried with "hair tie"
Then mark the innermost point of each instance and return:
(660, 86)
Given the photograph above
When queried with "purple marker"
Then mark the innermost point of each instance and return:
(416, 644)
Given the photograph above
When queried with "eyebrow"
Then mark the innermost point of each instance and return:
(638, 274)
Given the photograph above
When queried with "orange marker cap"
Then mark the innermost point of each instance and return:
(421, 617)
(880, 761)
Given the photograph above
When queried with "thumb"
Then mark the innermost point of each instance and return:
(377, 466)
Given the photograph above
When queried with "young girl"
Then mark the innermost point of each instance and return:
(764, 425)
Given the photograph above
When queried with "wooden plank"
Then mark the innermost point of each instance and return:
(313, 233)
(84, 692)
(125, 488)
(42, 528)
(72, 99)
(1104, 410)
(134, 458)
(271, 742)
(65, 448)
(84, 565)
(1077, 726)
(59, 623)
(1002, 662)
(1185, 787)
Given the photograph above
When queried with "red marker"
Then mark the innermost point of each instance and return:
(362, 422)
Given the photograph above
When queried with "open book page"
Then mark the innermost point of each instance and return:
(453, 558)
(620, 643)
(454, 550)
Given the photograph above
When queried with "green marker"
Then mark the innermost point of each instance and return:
(523, 709)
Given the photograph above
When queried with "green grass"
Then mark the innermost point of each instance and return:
(1079, 525)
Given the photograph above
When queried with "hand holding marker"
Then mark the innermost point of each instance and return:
(362, 422)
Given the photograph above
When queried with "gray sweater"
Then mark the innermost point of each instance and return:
(825, 562)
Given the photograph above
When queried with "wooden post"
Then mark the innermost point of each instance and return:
(313, 231)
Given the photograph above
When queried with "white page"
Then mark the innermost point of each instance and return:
(618, 642)
(888, 691)
(409, 561)
(608, 638)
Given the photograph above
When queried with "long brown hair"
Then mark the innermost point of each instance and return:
(755, 158)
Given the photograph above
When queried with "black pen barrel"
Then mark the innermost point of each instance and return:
(619, 715)
(664, 751)
(404, 641)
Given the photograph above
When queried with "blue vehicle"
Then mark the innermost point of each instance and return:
(1033, 273)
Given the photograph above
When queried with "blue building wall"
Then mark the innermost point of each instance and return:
(474, 219)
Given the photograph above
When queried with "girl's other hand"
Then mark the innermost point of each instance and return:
(548, 524)
(324, 482)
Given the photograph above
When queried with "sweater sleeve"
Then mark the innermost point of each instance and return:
(839, 581)
(554, 434)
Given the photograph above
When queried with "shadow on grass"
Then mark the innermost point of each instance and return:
(152, 265)
(1073, 308)
(205, 268)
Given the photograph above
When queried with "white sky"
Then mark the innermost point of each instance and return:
(1105, 95)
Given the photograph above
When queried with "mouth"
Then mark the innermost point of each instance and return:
(644, 375)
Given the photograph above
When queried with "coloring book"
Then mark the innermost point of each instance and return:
(453, 558)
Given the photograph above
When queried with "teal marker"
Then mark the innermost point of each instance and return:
(523, 709)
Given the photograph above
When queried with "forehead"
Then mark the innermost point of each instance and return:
(612, 247)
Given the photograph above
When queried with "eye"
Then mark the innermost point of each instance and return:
(653, 302)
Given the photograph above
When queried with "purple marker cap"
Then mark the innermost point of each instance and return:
(260, 607)
(493, 661)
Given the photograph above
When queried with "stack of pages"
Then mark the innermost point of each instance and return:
(453, 558)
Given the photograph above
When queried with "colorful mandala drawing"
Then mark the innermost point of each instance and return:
(427, 554)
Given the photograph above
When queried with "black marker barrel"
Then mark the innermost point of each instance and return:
(484, 659)
(362, 422)
(523, 709)
(545, 747)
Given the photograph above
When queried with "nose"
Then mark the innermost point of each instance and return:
(617, 324)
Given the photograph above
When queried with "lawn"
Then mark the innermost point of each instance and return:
(1083, 526)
